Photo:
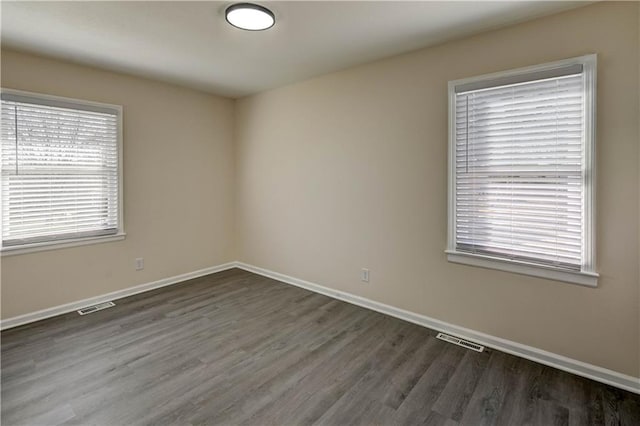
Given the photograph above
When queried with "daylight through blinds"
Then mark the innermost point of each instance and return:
(519, 171)
(59, 172)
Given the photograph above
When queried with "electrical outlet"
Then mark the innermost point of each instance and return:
(139, 264)
(364, 275)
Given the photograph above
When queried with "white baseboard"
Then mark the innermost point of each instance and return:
(560, 362)
(74, 306)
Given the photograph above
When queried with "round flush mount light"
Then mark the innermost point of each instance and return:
(249, 16)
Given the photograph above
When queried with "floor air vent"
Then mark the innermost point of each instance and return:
(457, 341)
(96, 308)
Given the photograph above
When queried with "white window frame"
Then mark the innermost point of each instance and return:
(587, 275)
(77, 241)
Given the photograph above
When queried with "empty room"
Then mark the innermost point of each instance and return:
(320, 212)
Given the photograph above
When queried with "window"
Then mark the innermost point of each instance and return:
(521, 171)
(61, 172)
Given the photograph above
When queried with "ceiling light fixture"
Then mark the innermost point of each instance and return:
(249, 16)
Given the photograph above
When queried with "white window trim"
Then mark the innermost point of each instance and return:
(53, 245)
(73, 242)
(587, 275)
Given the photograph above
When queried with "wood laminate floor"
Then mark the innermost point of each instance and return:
(238, 348)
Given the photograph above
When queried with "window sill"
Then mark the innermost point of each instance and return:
(589, 279)
(54, 245)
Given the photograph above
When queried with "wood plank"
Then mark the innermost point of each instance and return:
(238, 348)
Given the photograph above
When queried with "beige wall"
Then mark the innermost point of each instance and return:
(349, 170)
(178, 187)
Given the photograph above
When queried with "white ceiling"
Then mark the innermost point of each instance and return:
(190, 43)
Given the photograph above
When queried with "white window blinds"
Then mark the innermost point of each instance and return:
(60, 177)
(520, 171)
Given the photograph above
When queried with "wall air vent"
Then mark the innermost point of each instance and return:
(460, 342)
(95, 308)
